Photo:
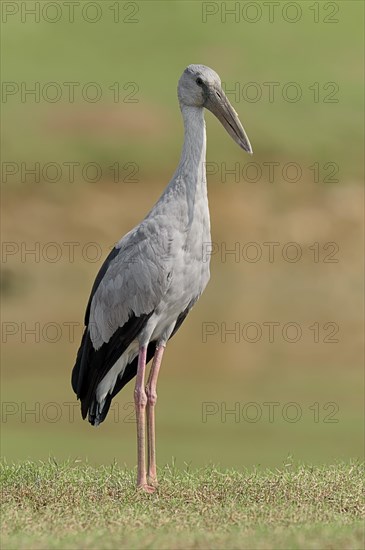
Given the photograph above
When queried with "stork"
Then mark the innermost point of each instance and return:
(153, 276)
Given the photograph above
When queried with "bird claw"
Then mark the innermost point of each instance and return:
(146, 488)
(152, 481)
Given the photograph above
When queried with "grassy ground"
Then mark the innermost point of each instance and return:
(50, 505)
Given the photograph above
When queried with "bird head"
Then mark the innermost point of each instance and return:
(200, 86)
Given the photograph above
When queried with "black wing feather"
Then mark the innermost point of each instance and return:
(104, 268)
(92, 365)
(95, 415)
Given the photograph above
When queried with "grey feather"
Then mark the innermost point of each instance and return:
(135, 282)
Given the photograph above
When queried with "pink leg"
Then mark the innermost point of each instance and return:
(140, 401)
(151, 402)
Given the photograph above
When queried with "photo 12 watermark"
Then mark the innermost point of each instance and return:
(68, 171)
(288, 92)
(52, 412)
(253, 412)
(270, 332)
(270, 12)
(290, 252)
(273, 172)
(53, 252)
(68, 92)
(55, 12)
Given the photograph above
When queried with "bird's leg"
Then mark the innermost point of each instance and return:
(151, 402)
(140, 401)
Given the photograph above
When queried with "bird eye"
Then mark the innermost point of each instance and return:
(199, 81)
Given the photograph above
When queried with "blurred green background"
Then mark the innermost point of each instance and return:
(324, 380)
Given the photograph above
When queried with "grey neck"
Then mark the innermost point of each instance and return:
(187, 190)
(192, 161)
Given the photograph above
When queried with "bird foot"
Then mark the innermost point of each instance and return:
(152, 481)
(146, 488)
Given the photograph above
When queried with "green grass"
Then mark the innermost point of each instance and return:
(73, 505)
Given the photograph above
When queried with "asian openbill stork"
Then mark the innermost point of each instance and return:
(153, 276)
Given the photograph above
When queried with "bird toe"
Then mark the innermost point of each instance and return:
(146, 489)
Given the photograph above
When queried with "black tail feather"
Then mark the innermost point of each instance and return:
(92, 365)
(97, 415)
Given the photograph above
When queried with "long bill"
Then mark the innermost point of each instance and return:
(217, 102)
